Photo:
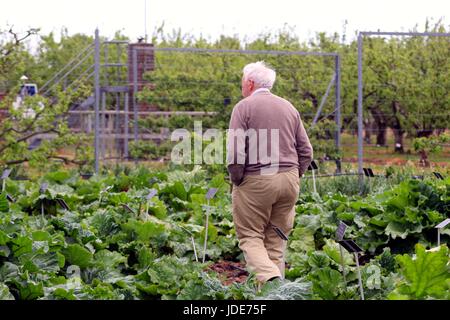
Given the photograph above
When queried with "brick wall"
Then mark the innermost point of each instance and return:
(145, 63)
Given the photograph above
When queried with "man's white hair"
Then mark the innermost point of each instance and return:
(262, 75)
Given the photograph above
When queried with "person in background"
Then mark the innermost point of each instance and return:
(268, 150)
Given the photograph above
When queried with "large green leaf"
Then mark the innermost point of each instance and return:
(21, 245)
(78, 255)
(9, 272)
(4, 292)
(4, 238)
(144, 231)
(4, 251)
(4, 204)
(426, 274)
(158, 208)
(107, 259)
(333, 250)
(179, 191)
(402, 230)
(57, 176)
(31, 290)
(326, 283)
(318, 260)
(48, 262)
(306, 243)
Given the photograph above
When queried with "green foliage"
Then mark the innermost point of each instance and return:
(396, 218)
(4, 205)
(300, 289)
(425, 275)
(100, 250)
(77, 255)
(427, 145)
(431, 144)
(4, 292)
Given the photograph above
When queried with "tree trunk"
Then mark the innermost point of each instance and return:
(424, 159)
(397, 128)
(398, 138)
(381, 136)
(368, 131)
(380, 124)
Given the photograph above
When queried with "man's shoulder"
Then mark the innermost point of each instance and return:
(285, 102)
(240, 105)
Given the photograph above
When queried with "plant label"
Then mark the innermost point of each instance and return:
(340, 232)
(350, 246)
(44, 187)
(63, 204)
(211, 193)
(368, 172)
(443, 224)
(438, 175)
(151, 194)
(6, 173)
(313, 166)
(127, 208)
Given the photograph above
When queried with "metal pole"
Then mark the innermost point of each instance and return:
(314, 181)
(195, 250)
(97, 98)
(145, 19)
(439, 238)
(106, 62)
(135, 90)
(324, 99)
(126, 128)
(359, 276)
(338, 109)
(103, 128)
(117, 122)
(206, 233)
(104, 125)
(239, 51)
(416, 34)
(360, 113)
(116, 126)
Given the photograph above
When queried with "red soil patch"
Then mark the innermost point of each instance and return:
(392, 162)
(229, 272)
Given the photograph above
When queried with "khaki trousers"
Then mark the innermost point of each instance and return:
(258, 202)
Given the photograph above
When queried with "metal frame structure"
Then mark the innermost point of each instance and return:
(335, 80)
(360, 82)
(103, 86)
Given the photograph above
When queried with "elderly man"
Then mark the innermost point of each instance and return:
(265, 188)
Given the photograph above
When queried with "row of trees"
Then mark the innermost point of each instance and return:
(35, 131)
(406, 79)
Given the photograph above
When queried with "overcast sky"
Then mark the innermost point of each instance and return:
(246, 18)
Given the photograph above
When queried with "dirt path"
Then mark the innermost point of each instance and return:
(229, 272)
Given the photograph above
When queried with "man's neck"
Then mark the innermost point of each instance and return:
(260, 90)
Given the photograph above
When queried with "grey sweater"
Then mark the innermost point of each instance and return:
(267, 121)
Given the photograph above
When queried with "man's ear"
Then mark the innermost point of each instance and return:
(251, 85)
